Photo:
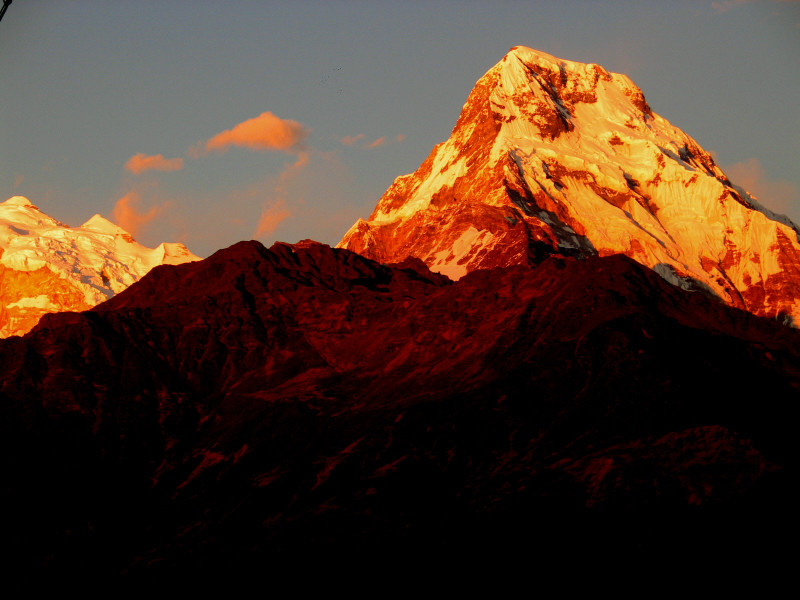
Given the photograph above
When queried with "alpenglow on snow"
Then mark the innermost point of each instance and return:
(551, 156)
(46, 266)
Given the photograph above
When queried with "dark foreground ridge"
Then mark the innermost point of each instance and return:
(304, 403)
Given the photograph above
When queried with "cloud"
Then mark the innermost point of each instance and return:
(264, 132)
(726, 5)
(302, 161)
(139, 163)
(276, 209)
(127, 215)
(271, 216)
(778, 195)
(351, 140)
(383, 140)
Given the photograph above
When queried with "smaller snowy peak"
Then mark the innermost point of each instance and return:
(103, 225)
(22, 215)
(46, 266)
(18, 201)
(174, 253)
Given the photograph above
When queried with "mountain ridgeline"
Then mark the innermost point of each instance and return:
(303, 401)
(561, 341)
(46, 266)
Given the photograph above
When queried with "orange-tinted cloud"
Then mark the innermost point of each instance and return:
(127, 215)
(778, 195)
(352, 140)
(139, 163)
(726, 5)
(264, 132)
(271, 217)
(276, 210)
(302, 161)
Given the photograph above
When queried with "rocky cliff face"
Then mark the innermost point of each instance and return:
(46, 266)
(308, 404)
(554, 157)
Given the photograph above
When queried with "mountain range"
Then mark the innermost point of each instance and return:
(567, 339)
(300, 403)
(46, 266)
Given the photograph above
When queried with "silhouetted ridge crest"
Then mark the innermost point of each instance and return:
(303, 401)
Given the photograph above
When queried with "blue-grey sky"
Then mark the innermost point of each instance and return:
(121, 108)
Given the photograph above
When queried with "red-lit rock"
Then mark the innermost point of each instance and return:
(305, 403)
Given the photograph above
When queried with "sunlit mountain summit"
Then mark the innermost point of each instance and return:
(575, 388)
(46, 266)
(555, 157)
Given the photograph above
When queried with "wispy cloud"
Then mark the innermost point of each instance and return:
(723, 6)
(302, 161)
(139, 163)
(128, 216)
(349, 140)
(726, 5)
(352, 140)
(271, 216)
(264, 132)
(276, 209)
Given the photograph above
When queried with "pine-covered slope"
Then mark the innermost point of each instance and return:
(551, 156)
(46, 266)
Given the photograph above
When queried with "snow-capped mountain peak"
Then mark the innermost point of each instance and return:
(19, 201)
(46, 266)
(551, 156)
(101, 224)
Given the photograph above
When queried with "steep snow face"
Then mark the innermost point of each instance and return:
(46, 266)
(551, 156)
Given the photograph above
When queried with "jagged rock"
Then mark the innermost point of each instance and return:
(551, 156)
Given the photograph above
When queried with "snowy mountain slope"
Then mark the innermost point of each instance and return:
(46, 266)
(551, 156)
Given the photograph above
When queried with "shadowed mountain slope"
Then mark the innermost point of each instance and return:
(302, 403)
